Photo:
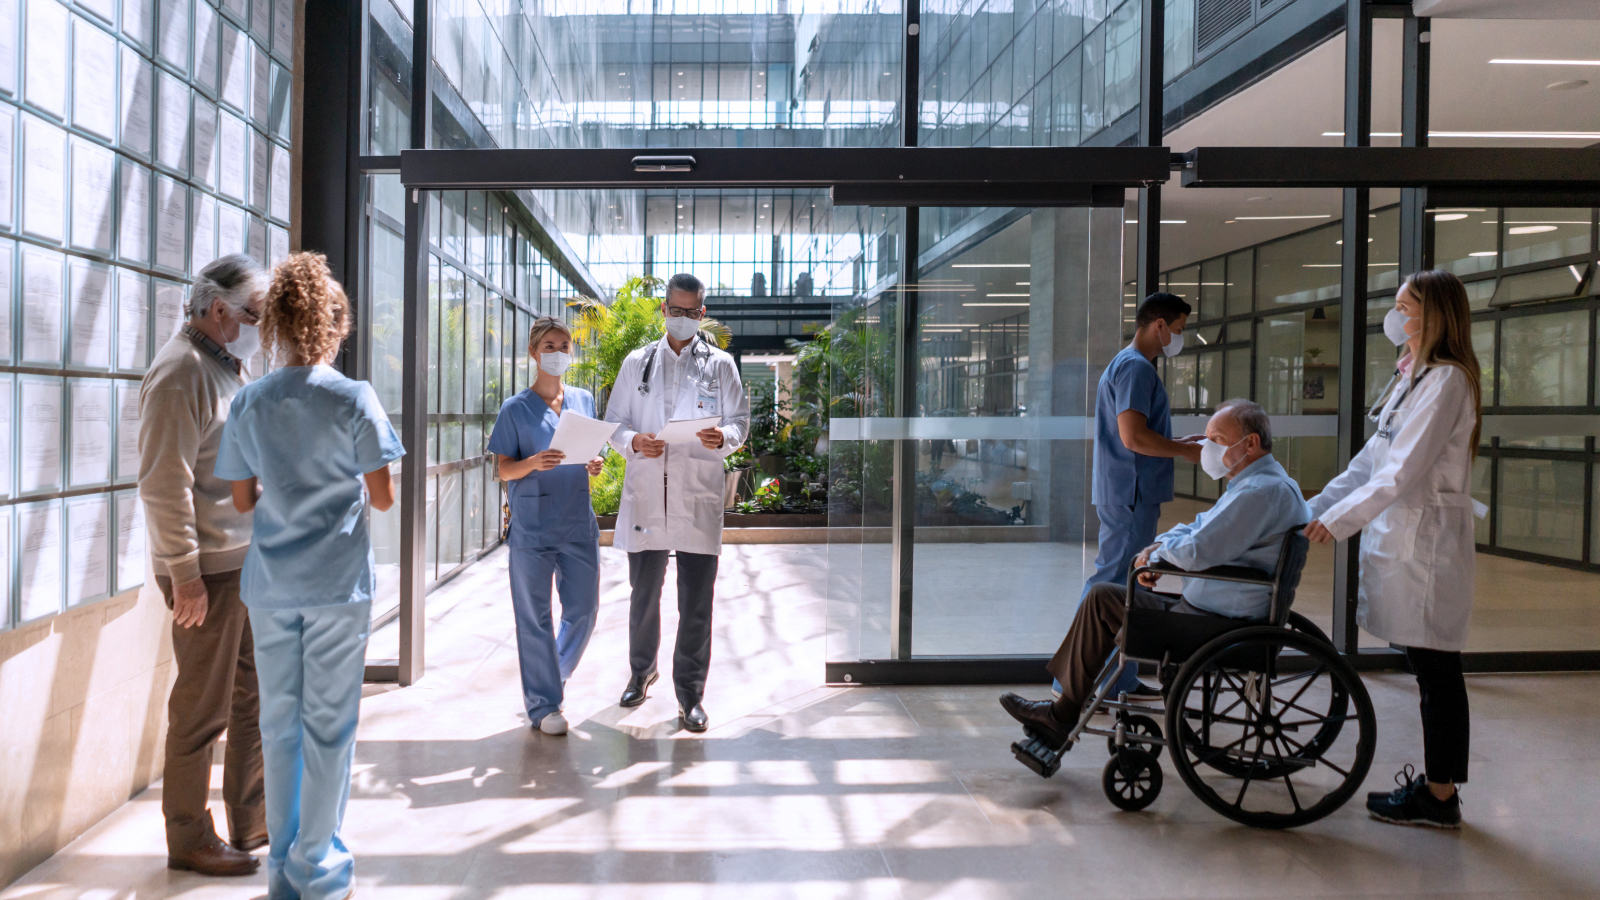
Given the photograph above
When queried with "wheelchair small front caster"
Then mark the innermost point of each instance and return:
(1138, 726)
(1132, 779)
(1037, 755)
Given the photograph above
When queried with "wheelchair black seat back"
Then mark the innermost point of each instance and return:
(1267, 723)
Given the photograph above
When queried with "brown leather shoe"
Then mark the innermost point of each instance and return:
(250, 841)
(216, 859)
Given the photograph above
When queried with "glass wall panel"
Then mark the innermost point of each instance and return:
(1302, 268)
(1241, 282)
(1536, 235)
(1465, 240)
(1545, 360)
(1541, 507)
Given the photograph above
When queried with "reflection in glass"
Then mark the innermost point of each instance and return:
(1301, 268)
(1483, 346)
(1241, 282)
(1482, 468)
(1541, 507)
(1383, 254)
(1535, 235)
(1546, 284)
(1465, 239)
(1545, 360)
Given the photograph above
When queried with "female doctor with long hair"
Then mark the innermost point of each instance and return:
(1408, 489)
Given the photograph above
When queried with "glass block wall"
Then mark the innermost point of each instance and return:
(139, 140)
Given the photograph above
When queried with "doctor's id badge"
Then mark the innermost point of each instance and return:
(707, 404)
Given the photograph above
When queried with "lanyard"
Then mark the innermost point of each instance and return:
(1386, 430)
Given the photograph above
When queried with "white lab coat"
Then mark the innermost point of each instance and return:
(1410, 491)
(674, 502)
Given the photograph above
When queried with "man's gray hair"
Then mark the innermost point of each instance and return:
(1252, 419)
(233, 279)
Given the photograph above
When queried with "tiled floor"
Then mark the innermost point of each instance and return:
(807, 791)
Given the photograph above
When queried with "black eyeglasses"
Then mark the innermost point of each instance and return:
(678, 312)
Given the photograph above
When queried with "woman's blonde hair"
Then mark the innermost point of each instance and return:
(1447, 332)
(306, 314)
(543, 326)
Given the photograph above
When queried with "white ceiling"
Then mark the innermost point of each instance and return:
(1296, 105)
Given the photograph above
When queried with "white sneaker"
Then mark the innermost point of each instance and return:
(554, 723)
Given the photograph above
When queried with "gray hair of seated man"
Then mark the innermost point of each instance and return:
(233, 279)
(1252, 419)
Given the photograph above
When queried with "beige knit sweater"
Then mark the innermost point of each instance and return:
(183, 403)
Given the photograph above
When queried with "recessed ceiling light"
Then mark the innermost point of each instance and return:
(1272, 218)
(1572, 85)
(1257, 199)
(1449, 217)
(1483, 253)
(1545, 62)
(1530, 229)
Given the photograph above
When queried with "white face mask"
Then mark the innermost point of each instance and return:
(247, 344)
(1211, 459)
(1394, 326)
(1175, 347)
(682, 328)
(554, 362)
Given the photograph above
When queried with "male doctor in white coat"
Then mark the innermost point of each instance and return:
(672, 496)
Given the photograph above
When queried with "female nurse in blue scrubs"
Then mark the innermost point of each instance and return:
(553, 530)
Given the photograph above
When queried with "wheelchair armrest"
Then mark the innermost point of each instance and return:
(1238, 574)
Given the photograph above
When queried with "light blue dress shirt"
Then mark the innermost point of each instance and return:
(1244, 528)
(308, 434)
(1121, 476)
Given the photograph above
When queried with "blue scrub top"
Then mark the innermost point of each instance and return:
(1122, 477)
(552, 507)
(308, 434)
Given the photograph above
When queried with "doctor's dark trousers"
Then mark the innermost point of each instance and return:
(1446, 722)
(691, 656)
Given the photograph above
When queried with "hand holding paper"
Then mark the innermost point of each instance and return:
(684, 431)
(579, 437)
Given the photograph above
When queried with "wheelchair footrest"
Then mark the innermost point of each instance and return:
(1037, 755)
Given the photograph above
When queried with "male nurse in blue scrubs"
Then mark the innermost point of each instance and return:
(553, 529)
(1134, 450)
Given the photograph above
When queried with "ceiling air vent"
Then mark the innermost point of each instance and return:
(1216, 19)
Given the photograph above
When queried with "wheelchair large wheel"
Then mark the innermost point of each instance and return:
(1333, 706)
(1260, 736)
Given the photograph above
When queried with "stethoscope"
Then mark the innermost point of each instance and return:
(1385, 421)
(698, 351)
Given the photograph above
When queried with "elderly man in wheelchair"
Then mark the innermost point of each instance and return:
(1253, 693)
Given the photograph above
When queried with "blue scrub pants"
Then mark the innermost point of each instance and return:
(1124, 531)
(548, 658)
(310, 663)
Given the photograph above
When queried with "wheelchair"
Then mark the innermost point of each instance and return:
(1267, 724)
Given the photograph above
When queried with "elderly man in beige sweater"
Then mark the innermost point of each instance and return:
(198, 541)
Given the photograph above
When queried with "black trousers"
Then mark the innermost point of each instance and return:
(1446, 724)
(691, 654)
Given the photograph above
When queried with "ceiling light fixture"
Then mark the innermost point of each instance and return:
(1572, 85)
(991, 265)
(1449, 217)
(1006, 295)
(1530, 229)
(1545, 62)
(1275, 218)
(1483, 253)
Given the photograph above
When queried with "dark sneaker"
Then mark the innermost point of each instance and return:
(1413, 804)
(1039, 717)
(1144, 693)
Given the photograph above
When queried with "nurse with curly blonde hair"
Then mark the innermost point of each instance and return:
(308, 450)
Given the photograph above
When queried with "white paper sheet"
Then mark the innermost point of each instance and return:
(172, 132)
(682, 431)
(207, 30)
(130, 540)
(89, 461)
(260, 84)
(41, 305)
(169, 313)
(172, 224)
(230, 229)
(40, 465)
(138, 84)
(235, 69)
(127, 430)
(258, 240)
(173, 40)
(93, 169)
(137, 18)
(260, 168)
(203, 151)
(8, 146)
(6, 282)
(236, 7)
(133, 239)
(5, 554)
(105, 9)
(261, 19)
(133, 321)
(277, 245)
(283, 27)
(580, 437)
(8, 56)
(5, 445)
(233, 140)
(45, 63)
(203, 245)
(89, 293)
(279, 207)
(44, 161)
(94, 80)
(88, 548)
(39, 565)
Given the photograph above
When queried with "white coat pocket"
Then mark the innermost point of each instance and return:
(1392, 536)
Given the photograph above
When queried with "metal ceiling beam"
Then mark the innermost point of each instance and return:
(1478, 168)
(785, 167)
